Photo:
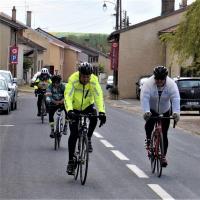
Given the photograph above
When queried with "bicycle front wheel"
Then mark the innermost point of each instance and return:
(84, 157)
(43, 110)
(77, 159)
(160, 151)
(153, 153)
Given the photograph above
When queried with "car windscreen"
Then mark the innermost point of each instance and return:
(188, 83)
(6, 76)
(2, 85)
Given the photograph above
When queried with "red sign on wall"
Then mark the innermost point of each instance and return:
(14, 55)
(114, 55)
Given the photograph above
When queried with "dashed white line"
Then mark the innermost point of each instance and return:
(7, 125)
(137, 171)
(119, 155)
(107, 144)
(124, 102)
(97, 135)
(160, 191)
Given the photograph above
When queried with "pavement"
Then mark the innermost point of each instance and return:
(190, 121)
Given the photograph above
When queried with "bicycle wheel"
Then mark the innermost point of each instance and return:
(43, 111)
(160, 151)
(152, 150)
(84, 156)
(77, 159)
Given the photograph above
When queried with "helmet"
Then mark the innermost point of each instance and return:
(160, 72)
(44, 71)
(85, 68)
(56, 79)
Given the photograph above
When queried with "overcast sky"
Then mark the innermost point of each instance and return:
(86, 16)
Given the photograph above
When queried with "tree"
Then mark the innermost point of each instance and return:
(185, 40)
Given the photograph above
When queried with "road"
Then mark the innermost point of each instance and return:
(31, 169)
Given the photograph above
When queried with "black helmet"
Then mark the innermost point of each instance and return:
(85, 68)
(56, 79)
(160, 72)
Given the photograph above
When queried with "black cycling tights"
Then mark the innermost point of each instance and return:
(74, 129)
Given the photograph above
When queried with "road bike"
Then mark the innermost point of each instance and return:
(59, 128)
(81, 155)
(156, 149)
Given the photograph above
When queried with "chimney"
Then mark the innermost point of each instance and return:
(28, 18)
(183, 4)
(14, 14)
(167, 6)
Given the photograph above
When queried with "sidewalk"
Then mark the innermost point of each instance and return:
(25, 88)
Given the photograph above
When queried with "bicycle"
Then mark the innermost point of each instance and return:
(59, 128)
(81, 155)
(156, 150)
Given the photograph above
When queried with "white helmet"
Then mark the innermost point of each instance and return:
(44, 71)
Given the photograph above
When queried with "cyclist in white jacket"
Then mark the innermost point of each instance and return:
(160, 95)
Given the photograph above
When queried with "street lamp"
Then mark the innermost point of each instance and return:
(118, 16)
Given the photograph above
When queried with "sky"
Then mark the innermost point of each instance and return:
(81, 16)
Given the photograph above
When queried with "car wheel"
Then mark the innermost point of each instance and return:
(12, 106)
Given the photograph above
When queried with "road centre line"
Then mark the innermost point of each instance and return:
(160, 191)
(7, 125)
(107, 144)
(119, 155)
(137, 171)
(97, 135)
(124, 102)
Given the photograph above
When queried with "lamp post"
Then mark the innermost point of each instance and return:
(118, 25)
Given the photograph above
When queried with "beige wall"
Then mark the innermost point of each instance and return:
(5, 38)
(71, 58)
(106, 63)
(139, 51)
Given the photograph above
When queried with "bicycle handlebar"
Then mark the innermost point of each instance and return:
(163, 117)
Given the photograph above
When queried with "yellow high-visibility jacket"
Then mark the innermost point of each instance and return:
(39, 84)
(79, 97)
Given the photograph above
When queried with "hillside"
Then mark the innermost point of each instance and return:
(97, 41)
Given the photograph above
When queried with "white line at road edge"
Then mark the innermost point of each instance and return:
(97, 135)
(107, 144)
(120, 155)
(7, 125)
(137, 171)
(161, 192)
(124, 102)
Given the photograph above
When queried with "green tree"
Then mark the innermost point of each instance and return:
(27, 64)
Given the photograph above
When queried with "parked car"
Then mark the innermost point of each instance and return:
(109, 83)
(189, 88)
(5, 96)
(12, 84)
(139, 85)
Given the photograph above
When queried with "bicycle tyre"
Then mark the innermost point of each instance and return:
(84, 156)
(77, 159)
(152, 150)
(42, 110)
(160, 156)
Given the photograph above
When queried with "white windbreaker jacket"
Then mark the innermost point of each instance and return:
(150, 98)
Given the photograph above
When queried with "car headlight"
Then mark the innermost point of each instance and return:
(3, 98)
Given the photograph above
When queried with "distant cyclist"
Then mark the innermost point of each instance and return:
(55, 99)
(83, 92)
(40, 86)
(159, 94)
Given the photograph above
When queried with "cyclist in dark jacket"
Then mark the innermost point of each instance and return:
(55, 99)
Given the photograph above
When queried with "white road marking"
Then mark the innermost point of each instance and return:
(120, 155)
(124, 102)
(7, 125)
(98, 135)
(137, 171)
(107, 144)
(160, 191)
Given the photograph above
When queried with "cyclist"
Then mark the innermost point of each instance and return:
(55, 99)
(159, 94)
(81, 93)
(40, 86)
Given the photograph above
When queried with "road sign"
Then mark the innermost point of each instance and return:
(14, 55)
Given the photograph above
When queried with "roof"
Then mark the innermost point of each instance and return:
(117, 33)
(5, 19)
(25, 41)
(171, 29)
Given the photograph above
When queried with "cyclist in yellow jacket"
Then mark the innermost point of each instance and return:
(82, 93)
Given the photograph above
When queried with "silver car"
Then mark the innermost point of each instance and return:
(5, 98)
(12, 84)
